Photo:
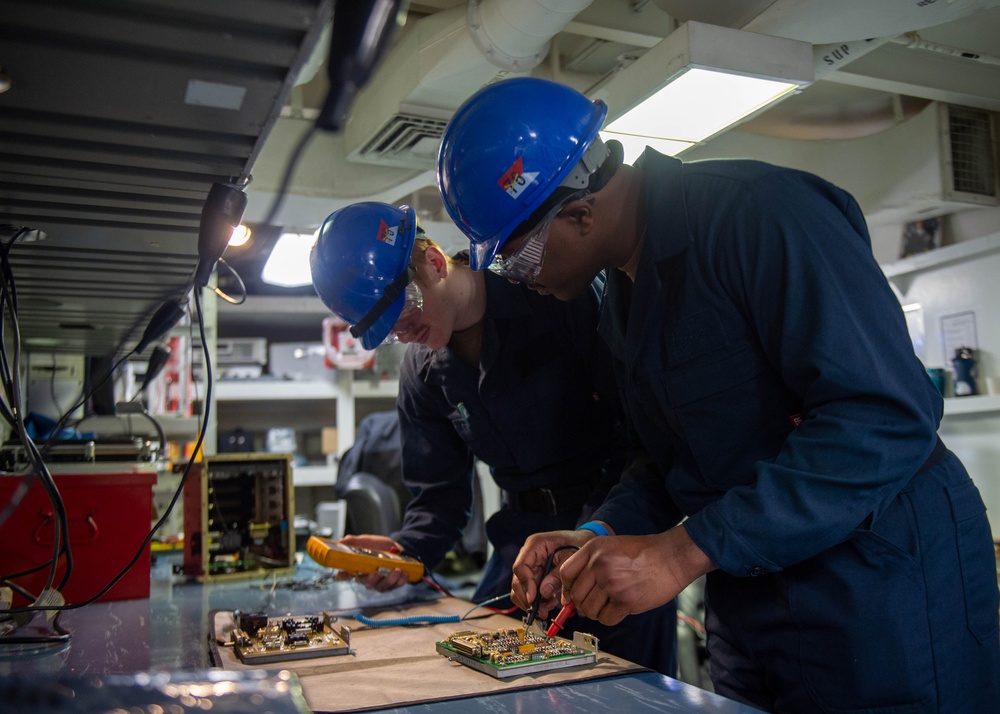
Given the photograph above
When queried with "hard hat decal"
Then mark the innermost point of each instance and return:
(514, 181)
(386, 234)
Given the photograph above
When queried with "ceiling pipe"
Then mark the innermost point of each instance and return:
(515, 34)
(913, 41)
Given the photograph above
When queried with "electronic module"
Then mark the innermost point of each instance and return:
(259, 639)
(511, 652)
(361, 560)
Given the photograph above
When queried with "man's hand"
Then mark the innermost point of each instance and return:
(530, 563)
(375, 581)
(611, 577)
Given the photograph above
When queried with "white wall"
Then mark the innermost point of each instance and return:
(971, 425)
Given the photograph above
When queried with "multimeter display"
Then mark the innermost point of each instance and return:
(361, 561)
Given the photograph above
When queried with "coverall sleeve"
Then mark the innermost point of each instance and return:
(642, 495)
(437, 468)
(797, 261)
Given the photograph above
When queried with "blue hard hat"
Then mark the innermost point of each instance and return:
(361, 252)
(504, 152)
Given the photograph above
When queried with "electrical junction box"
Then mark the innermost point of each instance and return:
(108, 507)
(239, 513)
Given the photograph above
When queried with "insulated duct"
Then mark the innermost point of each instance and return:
(398, 119)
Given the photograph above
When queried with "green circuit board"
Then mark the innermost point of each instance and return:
(511, 652)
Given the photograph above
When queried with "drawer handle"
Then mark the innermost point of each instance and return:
(44, 534)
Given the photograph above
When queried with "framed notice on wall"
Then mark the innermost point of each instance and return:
(958, 330)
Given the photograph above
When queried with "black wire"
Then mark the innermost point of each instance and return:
(83, 400)
(428, 575)
(180, 488)
(243, 288)
(14, 398)
(533, 612)
(293, 160)
(62, 637)
(22, 591)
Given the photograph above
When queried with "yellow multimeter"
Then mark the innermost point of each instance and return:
(361, 561)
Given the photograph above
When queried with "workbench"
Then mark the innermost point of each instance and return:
(171, 631)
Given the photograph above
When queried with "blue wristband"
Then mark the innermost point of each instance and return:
(593, 527)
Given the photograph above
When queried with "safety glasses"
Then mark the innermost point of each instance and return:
(525, 263)
(409, 318)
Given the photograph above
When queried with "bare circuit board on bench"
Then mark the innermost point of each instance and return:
(259, 639)
(512, 652)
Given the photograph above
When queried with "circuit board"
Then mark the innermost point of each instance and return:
(512, 652)
(259, 639)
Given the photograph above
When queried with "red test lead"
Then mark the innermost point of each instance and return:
(564, 614)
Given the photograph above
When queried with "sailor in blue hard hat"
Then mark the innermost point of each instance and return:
(480, 351)
(793, 455)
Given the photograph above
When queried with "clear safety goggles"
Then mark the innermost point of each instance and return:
(409, 318)
(525, 263)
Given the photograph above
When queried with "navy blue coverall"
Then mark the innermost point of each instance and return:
(541, 410)
(766, 365)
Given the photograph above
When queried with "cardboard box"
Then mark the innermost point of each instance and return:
(328, 440)
(109, 517)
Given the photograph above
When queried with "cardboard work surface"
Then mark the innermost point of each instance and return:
(397, 666)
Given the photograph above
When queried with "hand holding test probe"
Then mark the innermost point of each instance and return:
(524, 571)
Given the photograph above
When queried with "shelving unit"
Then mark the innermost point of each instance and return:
(941, 257)
(305, 402)
(979, 404)
(335, 399)
(955, 279)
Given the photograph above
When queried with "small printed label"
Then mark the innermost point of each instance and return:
(796, 419)
(515, 180)
(387, 233)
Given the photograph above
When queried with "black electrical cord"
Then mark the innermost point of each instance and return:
(11, 370)
(286, 178)
(180, 488)
(243, 288)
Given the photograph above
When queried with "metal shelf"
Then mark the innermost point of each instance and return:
(940, 257)
(314, 475)
(288, 389)
(978, 404)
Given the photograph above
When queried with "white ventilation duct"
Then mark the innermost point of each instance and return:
(398, 119)
(942, 160)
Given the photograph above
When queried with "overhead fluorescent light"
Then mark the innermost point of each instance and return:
(697, 82)
(288, 264)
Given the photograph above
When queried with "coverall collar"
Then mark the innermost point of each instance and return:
(502, 303)
(667, 235)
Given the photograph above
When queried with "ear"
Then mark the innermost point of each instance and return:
(580, 214)
(437, 263)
